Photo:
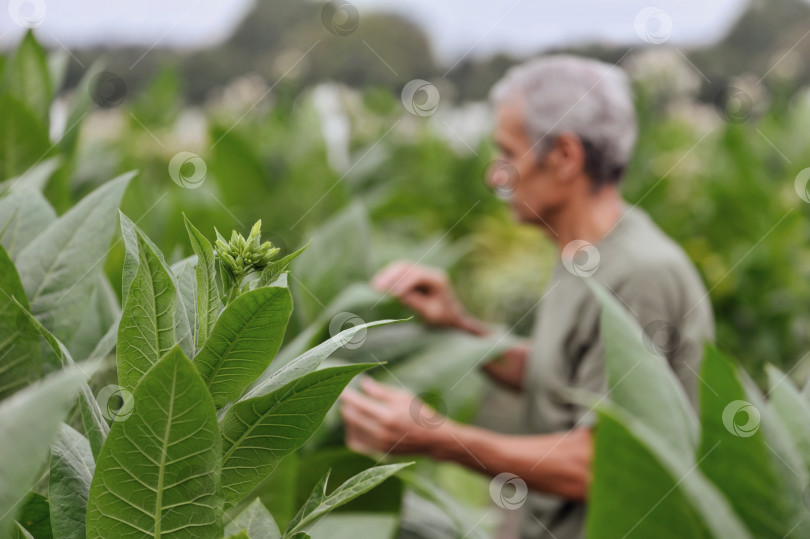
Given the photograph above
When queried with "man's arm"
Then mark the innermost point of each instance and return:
(428, 292)
(386, 420)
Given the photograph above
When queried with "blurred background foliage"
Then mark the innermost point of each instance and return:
(322, 147)
(721, 143)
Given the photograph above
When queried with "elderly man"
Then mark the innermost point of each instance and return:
(565, 131)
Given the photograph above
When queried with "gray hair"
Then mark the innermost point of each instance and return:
(570, 94)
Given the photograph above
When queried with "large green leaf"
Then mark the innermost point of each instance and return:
(641, 382)
(744, 452)
(186, 281)
(35, 178)
(134, 237)
(308, 361)
(256, 521)
(244, 340)
(72, 467)
(321, 503)
(207, 291)
(147, 328)
(792, 409)
(102, 313)
(338, 255)
(35, 516)
(26, 77)
(24, 214)
(23, 138)
(158, 472)
(93, 418)
(19, 342)
(642, 488)
(61, 266)
(28, 420)
(257, 433)
(355, 297)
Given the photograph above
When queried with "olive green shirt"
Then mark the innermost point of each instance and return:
(660, 287)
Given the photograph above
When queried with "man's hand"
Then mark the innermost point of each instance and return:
(428, 292)
(383, 419)
(387, 420)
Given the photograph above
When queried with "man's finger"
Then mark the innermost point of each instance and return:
(389, 275)
(379, 391)
(371, 407)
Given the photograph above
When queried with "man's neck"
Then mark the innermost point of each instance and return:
(590, 218)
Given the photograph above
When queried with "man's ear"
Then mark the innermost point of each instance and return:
(569, 158)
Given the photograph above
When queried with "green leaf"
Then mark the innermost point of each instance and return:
(35, 516)
(641, 382)
(20, 532)
(72, 467)
(61, 266)
(320, 504)
(207, 291)
(20, 362)
(185, 280)
(744, 452)
(275, 268)
(26, 77)
(256, 521)
(244, 340)
(241, 535)
(257, 433)
(354, 297)
(94, 423)
(158, 472)
(24, 214)
(23, 138)
(28, 420)
(350, 525)
(308, 361)
(792, 409)
(338, 254)
(430, 491)
(642, 488)
(35, 178)
(102, 313)
(147, 328)
(133, 238)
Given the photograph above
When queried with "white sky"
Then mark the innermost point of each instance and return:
(457, 28)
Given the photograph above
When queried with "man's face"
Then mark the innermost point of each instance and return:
(531, 187)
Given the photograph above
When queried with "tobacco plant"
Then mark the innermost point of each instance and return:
(198, 418)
